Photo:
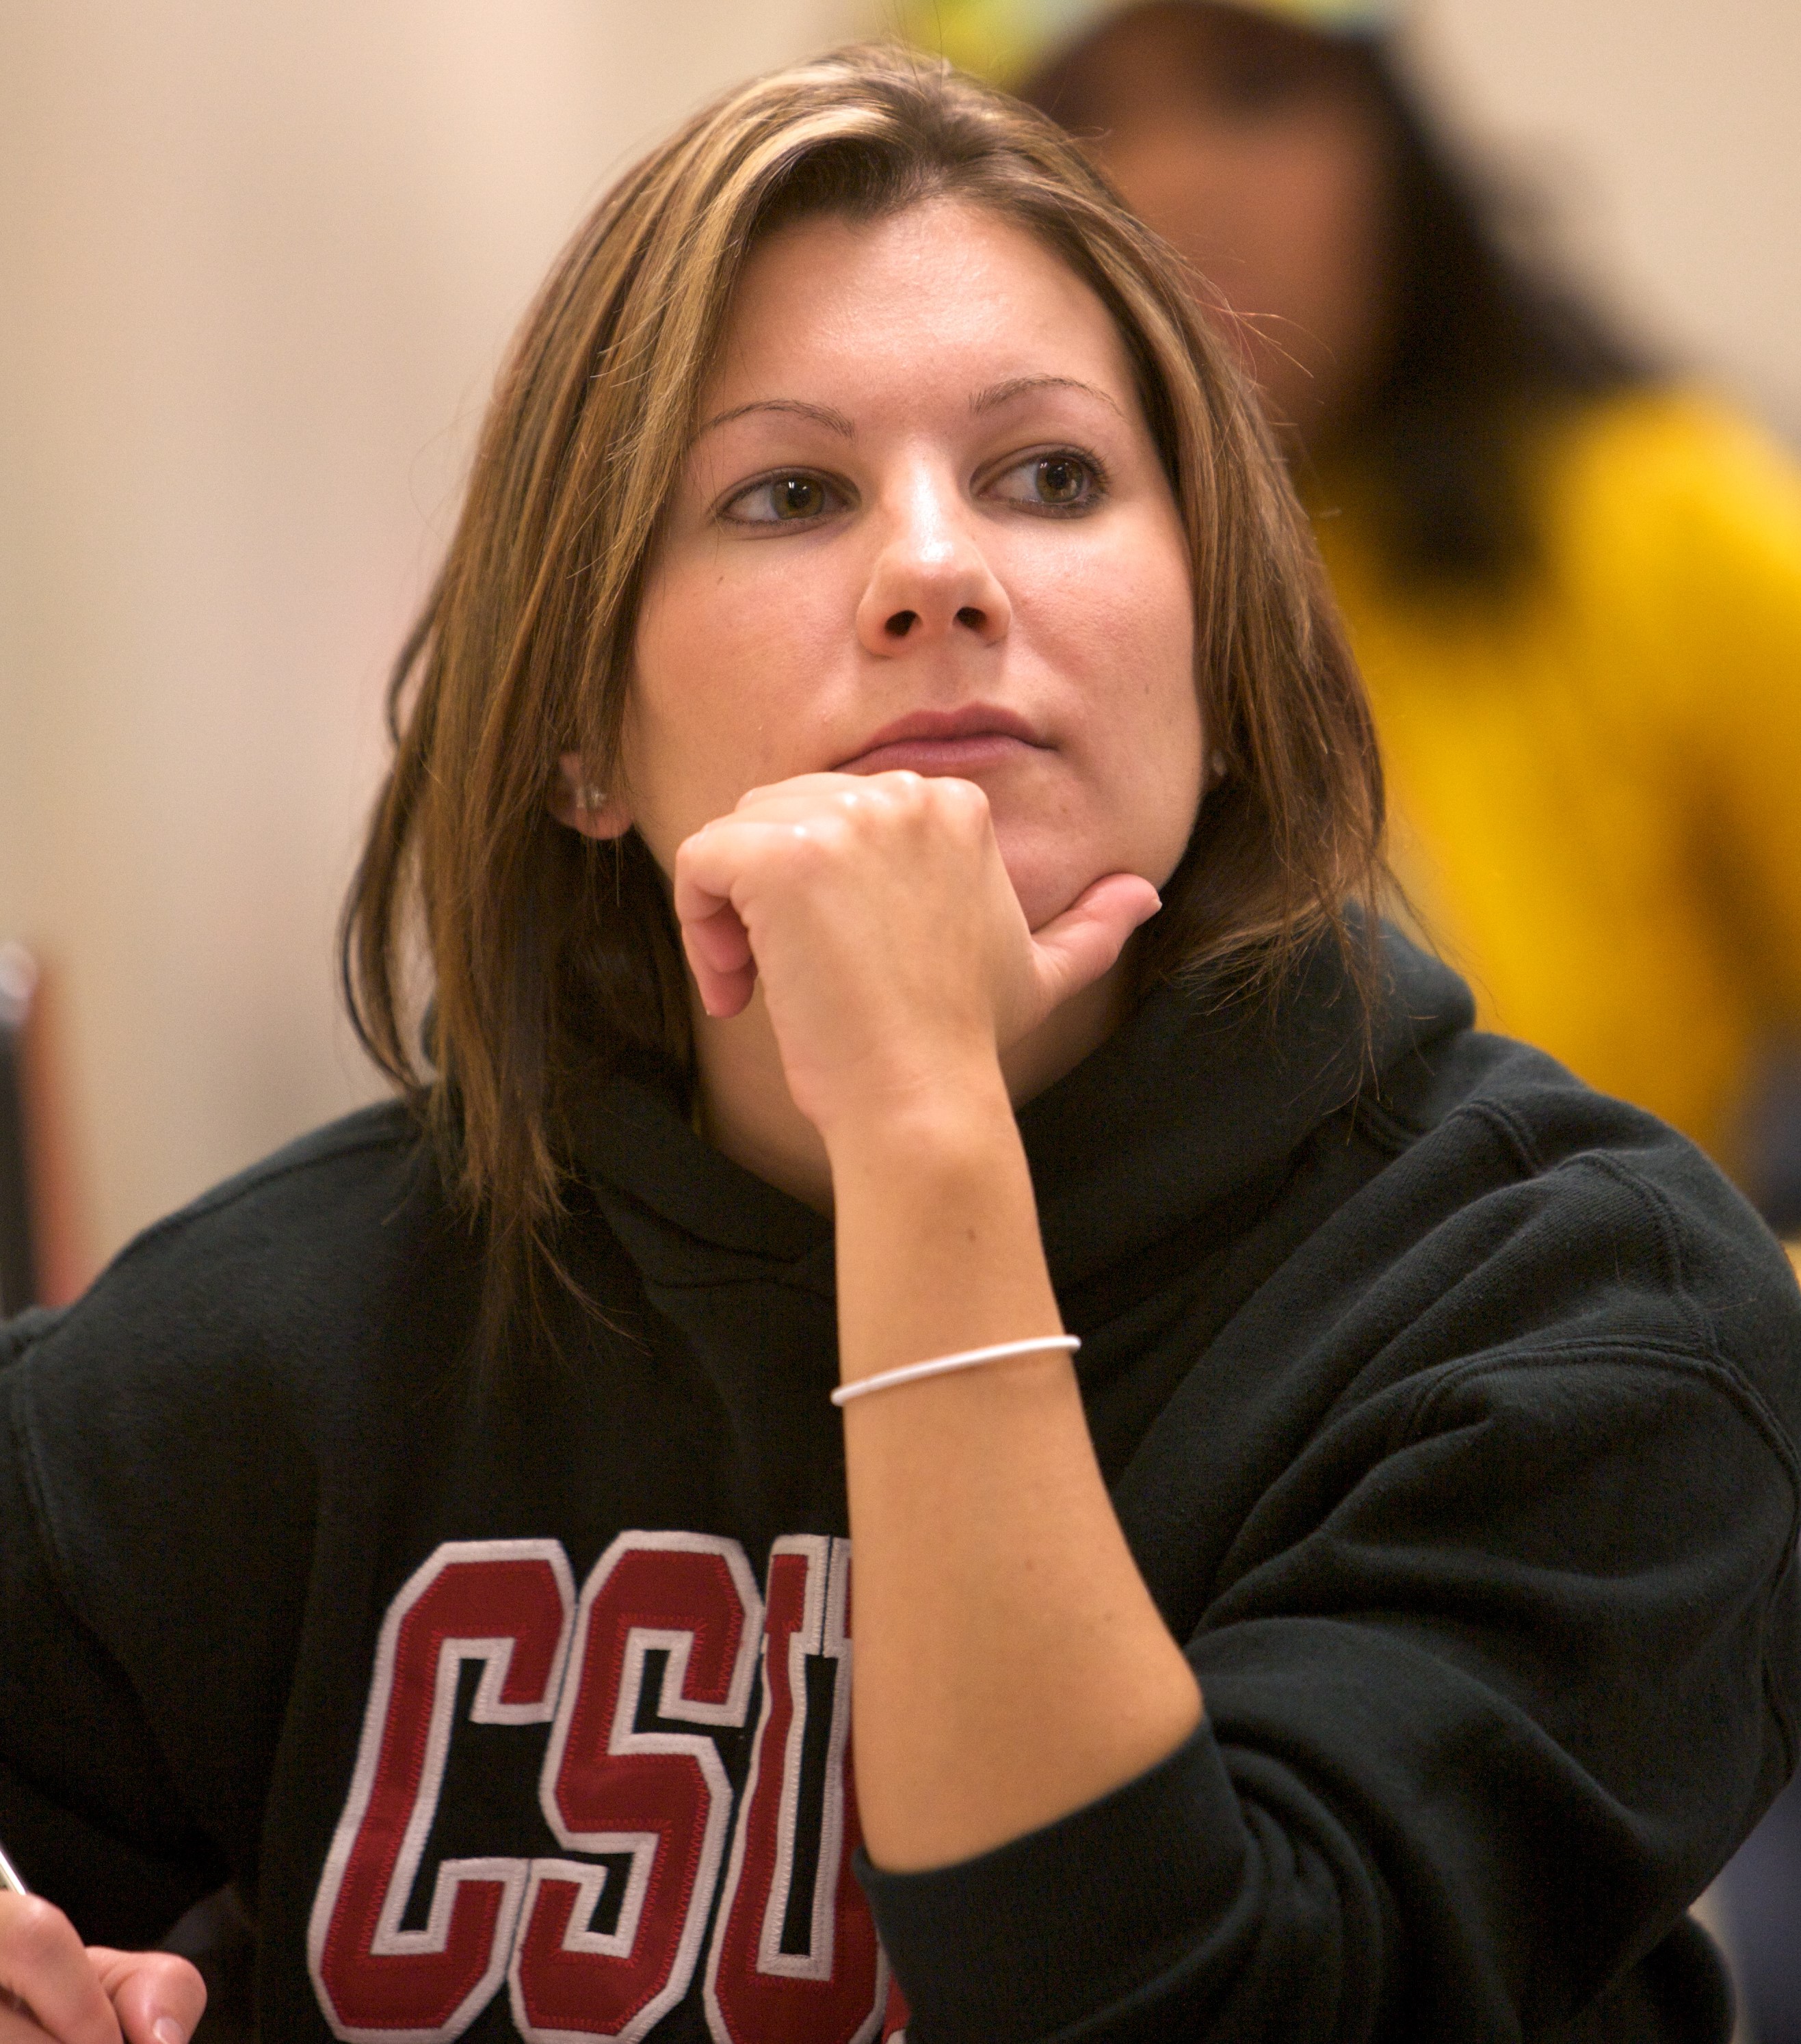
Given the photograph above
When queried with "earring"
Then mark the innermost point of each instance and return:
(1218, 763)
(590, 800)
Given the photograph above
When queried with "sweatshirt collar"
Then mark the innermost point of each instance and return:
(1192, 1101)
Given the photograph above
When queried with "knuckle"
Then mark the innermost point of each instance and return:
(860, 810)
(175, 1978)
(965, 806)
(807, 847)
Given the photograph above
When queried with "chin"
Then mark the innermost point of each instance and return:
(1051, 871)
(1045, 888)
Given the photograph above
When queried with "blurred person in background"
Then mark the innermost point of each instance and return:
(1573, 584)
(1572, 581)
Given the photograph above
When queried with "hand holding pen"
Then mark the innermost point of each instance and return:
(55, 1990)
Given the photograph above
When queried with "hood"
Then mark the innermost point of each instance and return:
(1193, 1100)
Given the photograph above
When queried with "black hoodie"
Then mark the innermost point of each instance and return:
(1450, 1415)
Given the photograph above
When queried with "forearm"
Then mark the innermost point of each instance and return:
(1011, 1665)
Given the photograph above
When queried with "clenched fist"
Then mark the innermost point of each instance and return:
(891, 949)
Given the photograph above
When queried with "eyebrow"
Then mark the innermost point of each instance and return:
(985, 400)
(1017, 387)
(822, 415)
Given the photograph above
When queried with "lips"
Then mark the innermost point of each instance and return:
(934, 741)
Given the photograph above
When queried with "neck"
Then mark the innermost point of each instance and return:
(747, 1113)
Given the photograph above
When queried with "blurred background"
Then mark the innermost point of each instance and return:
(257, 265)
(256, 268)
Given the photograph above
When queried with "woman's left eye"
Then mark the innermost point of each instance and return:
(1058, 482)
(784, 499)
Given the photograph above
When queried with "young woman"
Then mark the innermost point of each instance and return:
(875, 596)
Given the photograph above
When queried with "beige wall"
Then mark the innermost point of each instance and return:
(1666, 138)
(255, 264)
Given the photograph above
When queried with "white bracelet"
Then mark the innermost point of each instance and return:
(942, 1365)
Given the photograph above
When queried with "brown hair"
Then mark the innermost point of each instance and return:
(546, 948)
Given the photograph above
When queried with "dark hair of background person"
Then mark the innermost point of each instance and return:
(1484, 343)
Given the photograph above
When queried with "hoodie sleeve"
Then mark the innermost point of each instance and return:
(1498, 1670)
(1441, 1793)
(88, 1811)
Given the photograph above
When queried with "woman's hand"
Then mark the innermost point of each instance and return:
(892, 952)
(52, 1986)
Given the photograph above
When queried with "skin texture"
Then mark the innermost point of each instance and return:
(894, 942)
(51, 1986)
(1254, 147)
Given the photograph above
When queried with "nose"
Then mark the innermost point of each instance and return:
(931, 579)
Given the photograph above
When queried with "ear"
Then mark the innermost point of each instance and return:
(576, 801)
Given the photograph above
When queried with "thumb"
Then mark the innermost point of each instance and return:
(1074, 949)
(157, 1997)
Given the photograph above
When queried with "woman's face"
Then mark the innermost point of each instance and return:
(923, 525)
(1258, 150)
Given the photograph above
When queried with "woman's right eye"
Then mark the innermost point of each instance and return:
(784, 499)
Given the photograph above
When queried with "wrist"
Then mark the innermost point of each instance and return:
(949, 1122)
(938, 1244)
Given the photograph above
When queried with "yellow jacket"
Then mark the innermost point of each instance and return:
(1596, 787)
